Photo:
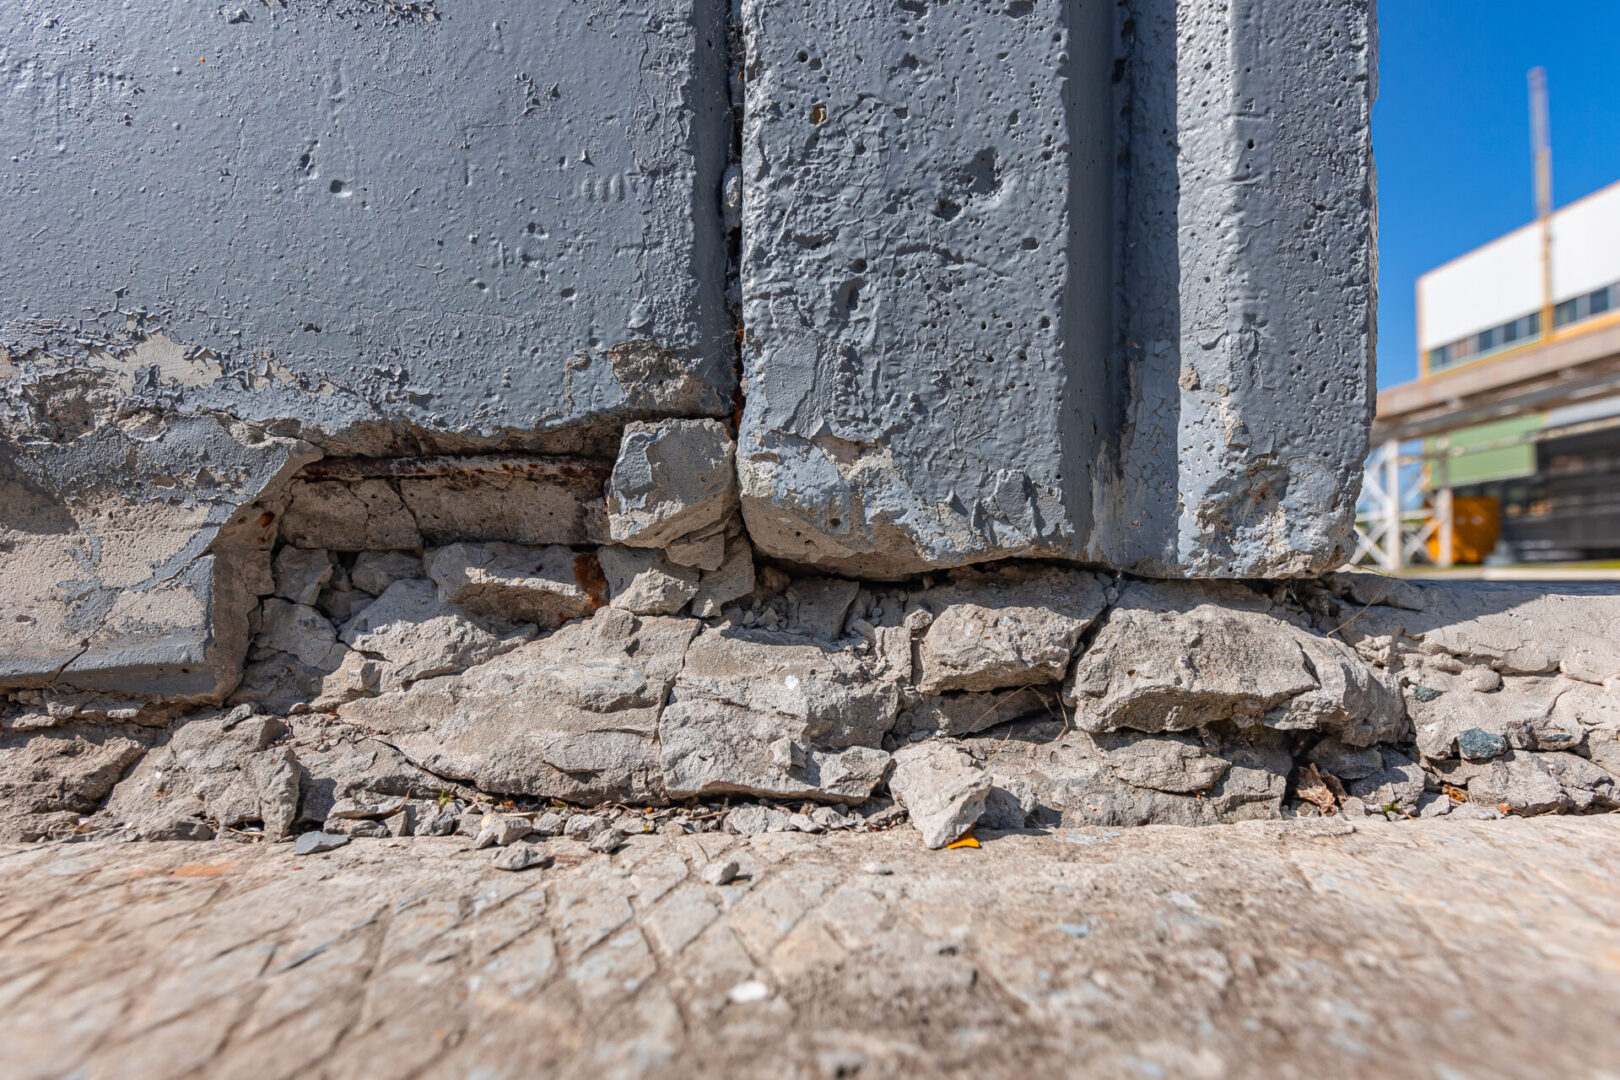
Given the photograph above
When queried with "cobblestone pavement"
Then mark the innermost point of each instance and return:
(1431, 949)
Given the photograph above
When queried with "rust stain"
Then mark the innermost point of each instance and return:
(265, 519)
(198, 869)
(588, 573)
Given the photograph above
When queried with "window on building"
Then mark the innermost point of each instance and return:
(1510, 332)
(1565, 313)
(1597, 303)
(1533, 321)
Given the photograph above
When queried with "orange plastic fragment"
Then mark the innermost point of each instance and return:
(967, 839)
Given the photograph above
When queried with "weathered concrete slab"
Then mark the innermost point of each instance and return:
(1414, 950)
(969, 336)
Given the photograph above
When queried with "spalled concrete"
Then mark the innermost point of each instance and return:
(379, 228)
(969, 336)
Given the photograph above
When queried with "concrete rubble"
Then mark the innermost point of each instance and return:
(1020, 696)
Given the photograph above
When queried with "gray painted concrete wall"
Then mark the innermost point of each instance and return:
(1022, 278)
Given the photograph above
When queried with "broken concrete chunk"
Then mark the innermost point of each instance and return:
(1398, 783)
(1172, 658)
(211, 769)
(942, 788)
(1520, 783)
(358, 515)
(705, 550)
(301, 631)
(818, 605)
(415, 635)
(1172, 763)
(49, 778)
(672, 478)
(646, 583)
(1359, 705)
(734, 579)
(543, 585)
(571, 716)
(301, 573)
(374, 571)
(718, 748)
(1005, 627)
(1346, 762)
(967, 714)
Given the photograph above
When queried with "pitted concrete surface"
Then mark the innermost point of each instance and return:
(369, 212)
(1437, 950)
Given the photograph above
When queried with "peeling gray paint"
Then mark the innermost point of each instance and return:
(1075, 279)
(442, 222)
(968, 339)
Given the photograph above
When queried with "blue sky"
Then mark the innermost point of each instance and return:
(1452, 132)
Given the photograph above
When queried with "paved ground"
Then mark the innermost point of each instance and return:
(1544, 573)
(1433, 949)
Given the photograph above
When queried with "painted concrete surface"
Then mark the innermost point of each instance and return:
(970, 335)
(341, 213)
(1050, 278)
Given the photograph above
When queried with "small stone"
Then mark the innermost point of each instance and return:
(672, 478)
(606, 841)
(1076, 930)
(581, 826)
(1477, 744)
(753, 820)
(358, 827)
(644, 582)
(520, 857)
(301, 573)
(549, 824)
(635, 826)
(1425, 694)
(876, 868)
(745, 992)
(1433, 806)
(355, 809)
(374, 571)
(1354, 808)
(444, 823)
(314, 843)
(941, 787)
(804, 823)
(1470, 811)
(508, 829)
(721, 872)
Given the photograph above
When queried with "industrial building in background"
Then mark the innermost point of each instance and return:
(1507, 445)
